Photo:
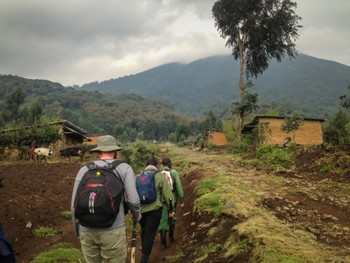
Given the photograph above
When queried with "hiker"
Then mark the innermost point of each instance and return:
(103, 241)
(152, 212)
(6, 251)
(168, 222)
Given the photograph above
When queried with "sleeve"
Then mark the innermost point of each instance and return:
(78, 177)
(131, 192)
(178, 186)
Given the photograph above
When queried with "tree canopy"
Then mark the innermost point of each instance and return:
(257, 30)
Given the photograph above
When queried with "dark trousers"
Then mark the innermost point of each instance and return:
(149, 227)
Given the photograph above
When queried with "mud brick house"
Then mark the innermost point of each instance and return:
(216, 138)
(309, 133)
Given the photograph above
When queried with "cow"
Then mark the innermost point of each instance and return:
(42, 153)
(73, 151)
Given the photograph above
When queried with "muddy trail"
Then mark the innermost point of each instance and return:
(302, 199)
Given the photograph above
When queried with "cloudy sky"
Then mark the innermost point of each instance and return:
(80, 41)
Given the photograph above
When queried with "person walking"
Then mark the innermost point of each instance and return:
(152, 212)
(168, 223)
(101, 243)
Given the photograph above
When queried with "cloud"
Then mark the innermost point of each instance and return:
(79, 41)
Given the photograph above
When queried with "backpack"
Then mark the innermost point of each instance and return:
(6, 250)
(146, 187)
(99, 195)
(169, 177)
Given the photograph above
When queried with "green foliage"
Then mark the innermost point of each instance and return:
(62, 252)
(345, 101)
(261, 133)
(260, 30)
(67, 214)
(202, 252)
(177, 257)
(292, 123)
(248, 103)
(43, 135)
(42, 231)
(337, 131)
(273, 157)
(326, 169)
(139, 152)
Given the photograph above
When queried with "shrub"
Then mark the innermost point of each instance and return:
(273, 157)
(139, 152)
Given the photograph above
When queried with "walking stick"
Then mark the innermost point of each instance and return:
(133, 243)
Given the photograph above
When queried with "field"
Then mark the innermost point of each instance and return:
(310, 200)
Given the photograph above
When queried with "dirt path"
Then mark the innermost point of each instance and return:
(36, 194)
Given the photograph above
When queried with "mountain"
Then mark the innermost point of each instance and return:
(305, 84)
(126, 114)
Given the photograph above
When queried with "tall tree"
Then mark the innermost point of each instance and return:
(256, 30)
(345, 101)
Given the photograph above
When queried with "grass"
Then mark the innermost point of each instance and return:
(238, 193)
(62, 252)
(44, 232)
(67, 214)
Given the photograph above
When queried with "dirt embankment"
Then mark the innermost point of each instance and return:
(313, 197)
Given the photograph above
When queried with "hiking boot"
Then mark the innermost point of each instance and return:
(163, 239)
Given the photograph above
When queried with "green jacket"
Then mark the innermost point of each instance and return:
(178, 191)
(163, 191)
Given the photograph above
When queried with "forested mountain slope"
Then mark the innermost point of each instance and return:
(93, 111)
(305, 84)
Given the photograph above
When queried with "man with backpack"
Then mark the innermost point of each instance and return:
(151, 208)
(168, 222)
(99, 192)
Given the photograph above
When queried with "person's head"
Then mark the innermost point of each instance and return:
(166, 162)
(152, 161)
(107, 146)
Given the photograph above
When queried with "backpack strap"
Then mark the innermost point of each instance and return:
(114, 165)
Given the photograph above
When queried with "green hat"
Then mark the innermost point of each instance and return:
(106, 143)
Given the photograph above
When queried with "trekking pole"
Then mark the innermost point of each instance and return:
(133, 243)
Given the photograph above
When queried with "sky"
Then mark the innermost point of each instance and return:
(80, 41)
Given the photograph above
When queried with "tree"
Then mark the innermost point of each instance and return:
(249, 103)
(292, 123)
(13, 102)
(256, 30)
(345, 101)
(337, 131)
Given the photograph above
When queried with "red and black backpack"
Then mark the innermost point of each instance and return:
(99, 195)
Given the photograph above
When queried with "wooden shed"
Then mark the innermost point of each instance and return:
(70, 133)
(309, 133)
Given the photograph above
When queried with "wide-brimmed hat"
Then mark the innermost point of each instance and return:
(106, 143)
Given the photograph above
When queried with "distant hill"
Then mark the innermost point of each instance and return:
(130, 114)
(305, 84)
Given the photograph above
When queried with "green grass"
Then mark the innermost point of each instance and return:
(67, 214)
(45, 232)
(62, 252)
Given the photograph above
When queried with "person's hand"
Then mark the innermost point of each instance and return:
(137, 219)
(172, 214)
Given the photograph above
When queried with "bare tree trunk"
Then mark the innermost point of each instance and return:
(241, 84)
